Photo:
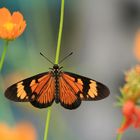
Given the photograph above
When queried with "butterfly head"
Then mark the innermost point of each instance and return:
(56, 67)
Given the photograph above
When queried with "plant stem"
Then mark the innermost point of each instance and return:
(60, 32)
(7, 106)
(56, 62)
(47, 123)
(119, 135)
(3, 54)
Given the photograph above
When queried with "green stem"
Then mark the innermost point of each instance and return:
(7, 106)
(56, 62)
(47, 123)
(3, 54)
(60, 32)
(119, 135)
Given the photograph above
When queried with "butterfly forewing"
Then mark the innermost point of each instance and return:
(85, 88)
(46, 94)
(33, 90)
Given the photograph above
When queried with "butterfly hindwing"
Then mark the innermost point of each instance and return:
(69, 98)
(85, 88)
(33, 90)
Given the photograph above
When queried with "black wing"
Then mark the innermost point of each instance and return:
(38, 90)
(85, 88)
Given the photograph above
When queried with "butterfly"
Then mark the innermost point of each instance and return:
(66, 88)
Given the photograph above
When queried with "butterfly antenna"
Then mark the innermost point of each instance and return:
(65, 57)
(46, 58)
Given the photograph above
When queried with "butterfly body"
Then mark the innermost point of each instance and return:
(66, 88)
(56, 73)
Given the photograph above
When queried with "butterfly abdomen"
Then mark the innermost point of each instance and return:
(56, 75)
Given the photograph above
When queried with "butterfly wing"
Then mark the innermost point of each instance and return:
(69, 98)
(74, 88)
(38, 90)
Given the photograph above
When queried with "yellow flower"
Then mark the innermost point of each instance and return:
(11, 26)
(131, 90)
(130, 100)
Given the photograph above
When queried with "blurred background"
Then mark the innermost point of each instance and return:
(101, 34)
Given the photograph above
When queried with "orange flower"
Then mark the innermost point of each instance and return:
(137, 46)
(132, 116)
(11, 26)
(22, 131)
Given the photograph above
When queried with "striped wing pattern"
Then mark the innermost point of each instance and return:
(74, 88)
(40, 90)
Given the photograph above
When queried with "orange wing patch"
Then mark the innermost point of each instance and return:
(47, 92)
(37, 87)
(76, 86)
(81, 96)
(92, 92)
(43, 91)
(68, 93)
(33, 85)
(79, 81)
(21, 92)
